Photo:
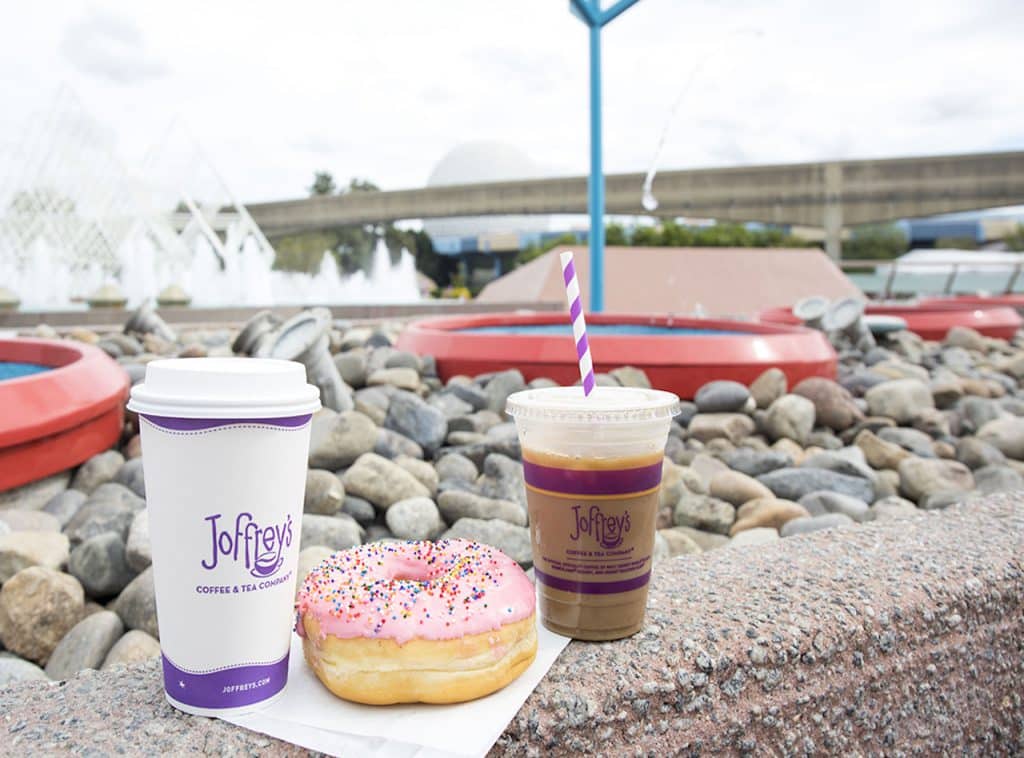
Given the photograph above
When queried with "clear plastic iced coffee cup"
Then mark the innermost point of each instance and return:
(592, 467)
(225, 443)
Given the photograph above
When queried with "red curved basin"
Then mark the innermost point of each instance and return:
(680, 363)
(1013, 300)
(56, 419)
(930, 320)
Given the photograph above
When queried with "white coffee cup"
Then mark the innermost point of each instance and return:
(225, 443)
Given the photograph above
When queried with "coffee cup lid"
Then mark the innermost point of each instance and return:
(604, 405)
(224, 388)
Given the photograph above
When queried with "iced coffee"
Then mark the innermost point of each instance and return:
(593, 470)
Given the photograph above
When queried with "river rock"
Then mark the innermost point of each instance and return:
(721, 396)
(38, 606)
(134, 647)
(704, 540)
(131, 475)
(975, 453)
(834, 406)
(503, 479)
(1006, 434)
(137, 551)
(765, 512)
(794, 483)
(456, 505)
(413, 418)
(86, 646)
(753, 537)
(824, 502)
(899, 371)
(373, 402)
(352, 368)
(97, 470)
(501, 386)
(965, 337)
(731, 426)
(470, 394)
(422, 470)
(14, 670)
(324, 493)
(899, 399)
(512, 540)
(381, 481)
(879, 453)
(806, 525)
(768, 387)
(841, 463)
(917, 442)
(33, 496)
(630, 376)
(391, 445)
(100, 564)
(736, 488)
(338, 439)
(920, 477)
(991, 479)
(335, 532)
(450, 405)
(119, 494)
(757, 462)
(20, 550)
(455, 466)
(978, 411)
(792, 417)
(64, 505)
(478, 451)
(705, 513)
(403, 378)
(892, 508)
(98, 517)
(679, 542)
(29, 521)
(415, 519)
(136, 605)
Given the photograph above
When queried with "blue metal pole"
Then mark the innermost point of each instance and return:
(596, 184)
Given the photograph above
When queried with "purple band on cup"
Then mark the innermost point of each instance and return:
(198, 424)
(228, 688)
(592, 588)
(592, 481)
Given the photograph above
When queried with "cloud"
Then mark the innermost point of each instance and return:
(109, 47)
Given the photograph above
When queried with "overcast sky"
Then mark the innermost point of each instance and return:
(384, 88)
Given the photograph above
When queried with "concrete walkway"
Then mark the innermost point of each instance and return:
(900, 636)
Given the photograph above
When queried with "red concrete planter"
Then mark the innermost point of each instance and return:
(1013, 300)
(931, 320)
(679, 363)
(56, 419)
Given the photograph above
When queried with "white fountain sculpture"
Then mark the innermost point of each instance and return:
(72, 218)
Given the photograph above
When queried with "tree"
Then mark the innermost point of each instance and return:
(323, 184)
(1015, 239)
(356, 184)
(875, 241)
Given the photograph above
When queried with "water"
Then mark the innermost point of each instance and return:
(13, 370)
(240, 272)
(619, 330)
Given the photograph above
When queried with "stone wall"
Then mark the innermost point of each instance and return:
(896, 636)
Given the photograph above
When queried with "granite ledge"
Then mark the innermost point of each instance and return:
(903, 636)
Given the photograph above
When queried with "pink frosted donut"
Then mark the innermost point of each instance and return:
(408, 622)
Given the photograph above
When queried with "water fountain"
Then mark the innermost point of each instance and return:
(74, 219)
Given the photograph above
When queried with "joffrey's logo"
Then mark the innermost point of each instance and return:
(607, 531)
(260, 547)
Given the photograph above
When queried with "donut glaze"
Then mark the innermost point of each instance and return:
(406, 590)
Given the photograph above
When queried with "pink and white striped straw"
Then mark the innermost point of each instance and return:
(579, 325)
